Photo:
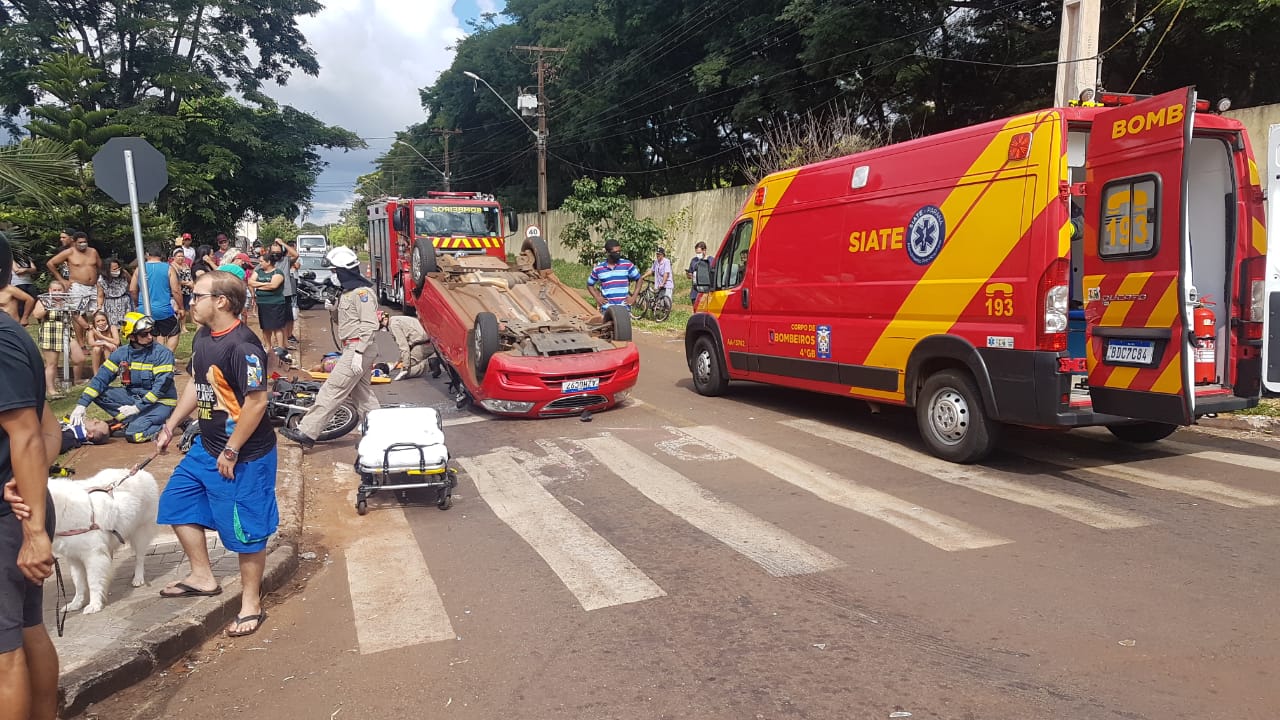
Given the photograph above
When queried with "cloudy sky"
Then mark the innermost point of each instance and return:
(374, 57)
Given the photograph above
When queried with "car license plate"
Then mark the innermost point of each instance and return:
(1131, 352)
(577, 386)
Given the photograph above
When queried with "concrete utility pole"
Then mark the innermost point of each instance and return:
(445, 134)
(1079, 40)
(541, 73)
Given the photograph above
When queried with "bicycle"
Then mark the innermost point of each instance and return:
(652, 303)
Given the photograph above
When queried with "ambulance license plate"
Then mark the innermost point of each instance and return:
(577, 386)
(1131, 352)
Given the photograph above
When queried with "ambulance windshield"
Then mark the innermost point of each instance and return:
(455, 220)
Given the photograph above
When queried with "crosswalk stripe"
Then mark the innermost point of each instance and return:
(939, 530)
(1195, 487)
(1060, 503)
(386, 571)
(592, 569)
(1254, 462)
(780, 553)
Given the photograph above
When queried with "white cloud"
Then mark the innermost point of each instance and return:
(375, 55)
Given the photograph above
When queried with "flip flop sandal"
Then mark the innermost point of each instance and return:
(188, 591)
(260, 618)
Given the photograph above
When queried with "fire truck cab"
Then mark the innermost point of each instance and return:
(456, 223)
(1086, 265)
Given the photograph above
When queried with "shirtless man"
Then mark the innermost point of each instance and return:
(16, 303)
(86, 267)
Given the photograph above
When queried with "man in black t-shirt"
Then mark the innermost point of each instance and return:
(28, 660)
(228, 482)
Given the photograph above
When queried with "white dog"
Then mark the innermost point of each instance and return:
(92, 524)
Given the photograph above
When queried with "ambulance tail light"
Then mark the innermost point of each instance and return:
(1254, 290)
(1054, 289)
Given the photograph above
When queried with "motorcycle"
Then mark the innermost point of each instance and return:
(288, 401)
(311, 293)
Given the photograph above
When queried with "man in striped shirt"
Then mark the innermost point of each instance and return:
(612, 282)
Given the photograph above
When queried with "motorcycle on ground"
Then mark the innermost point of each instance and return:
(312, 293)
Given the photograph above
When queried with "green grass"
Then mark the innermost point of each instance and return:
(575, 276)
(1266, 407)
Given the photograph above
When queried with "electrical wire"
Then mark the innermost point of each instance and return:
(1159, 42)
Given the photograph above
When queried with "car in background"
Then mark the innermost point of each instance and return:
(318, 244)
(314, 262)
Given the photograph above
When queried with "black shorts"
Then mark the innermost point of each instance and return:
(167, 327)
(273, 316)
(21, 603)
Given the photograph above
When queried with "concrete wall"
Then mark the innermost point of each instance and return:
(1257, 122)
(709, 215)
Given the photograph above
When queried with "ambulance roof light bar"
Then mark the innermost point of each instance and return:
(1090, 98)
(442, 195)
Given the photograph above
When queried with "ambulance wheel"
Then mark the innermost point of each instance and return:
(952, 420)
(484, 343)
(707, 378)
(1144, 432)
(538, 252)
(422, 262)
(445, 503)
(620, 316)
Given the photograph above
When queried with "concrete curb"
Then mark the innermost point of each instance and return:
(167, 642)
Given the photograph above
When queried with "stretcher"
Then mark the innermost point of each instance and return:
(376, 380)
(402, 448)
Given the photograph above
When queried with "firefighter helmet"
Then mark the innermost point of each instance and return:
(343, 257)
(135, 322)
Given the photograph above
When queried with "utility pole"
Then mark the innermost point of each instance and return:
(541, 73)
(1077, 50)
(445, 134)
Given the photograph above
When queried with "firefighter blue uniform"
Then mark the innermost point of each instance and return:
(146, 382)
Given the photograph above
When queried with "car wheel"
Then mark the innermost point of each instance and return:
(952, 419)
(1143, 432)
(708, 379)
(484, 343)
(422, 262)
(620, 316)
(539, 253)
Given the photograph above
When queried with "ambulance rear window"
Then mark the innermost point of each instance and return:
(1130, 215)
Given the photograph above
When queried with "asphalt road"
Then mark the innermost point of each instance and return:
(769, 554)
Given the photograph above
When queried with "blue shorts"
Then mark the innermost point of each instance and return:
(243, 511)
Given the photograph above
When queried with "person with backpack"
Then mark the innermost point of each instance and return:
(699, 257)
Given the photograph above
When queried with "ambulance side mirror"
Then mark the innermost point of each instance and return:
(702, 278)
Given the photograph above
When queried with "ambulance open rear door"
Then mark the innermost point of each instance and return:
(1136, 256)
(1271, 347)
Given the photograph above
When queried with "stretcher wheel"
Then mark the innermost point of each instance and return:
(362, 507)
(445, 502)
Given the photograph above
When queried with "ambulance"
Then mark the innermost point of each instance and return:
(1099, 264)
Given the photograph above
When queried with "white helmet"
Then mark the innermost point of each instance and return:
(343, 257)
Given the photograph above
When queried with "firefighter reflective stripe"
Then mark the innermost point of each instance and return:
(91, 392)
(162, 369)
(110, 366)
(150, 397)
(168, 401)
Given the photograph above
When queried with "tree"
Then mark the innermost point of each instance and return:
(810, 138)
(34, 168)
(601, 213)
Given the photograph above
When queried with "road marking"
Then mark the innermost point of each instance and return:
(464, 420)
(387, 574)
(1195, 487)
(780, 553)
(934, 528)
(1255, 462)
(966, 476)
(592, 569)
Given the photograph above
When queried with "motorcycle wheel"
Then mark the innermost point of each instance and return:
(306, 303)
(343, 421)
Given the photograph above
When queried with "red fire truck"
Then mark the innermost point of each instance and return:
(456, 223)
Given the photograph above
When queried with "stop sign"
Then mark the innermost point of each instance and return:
(150, 173)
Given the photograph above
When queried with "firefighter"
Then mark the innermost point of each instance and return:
(357, 321)
(146, 395)
(415, 346)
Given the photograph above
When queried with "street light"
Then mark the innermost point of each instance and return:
(443, 173)
(539, 135)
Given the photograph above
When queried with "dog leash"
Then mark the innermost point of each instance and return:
(60, 603)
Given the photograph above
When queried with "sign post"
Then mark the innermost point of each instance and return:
(131, 171)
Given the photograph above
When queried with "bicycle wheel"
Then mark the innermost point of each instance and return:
(661, 308)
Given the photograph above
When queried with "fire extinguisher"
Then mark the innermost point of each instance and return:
(1204, 329)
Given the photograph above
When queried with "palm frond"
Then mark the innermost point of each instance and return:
(35, 167)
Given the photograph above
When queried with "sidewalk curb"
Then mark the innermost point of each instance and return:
(1243, 423)
(164, 644)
